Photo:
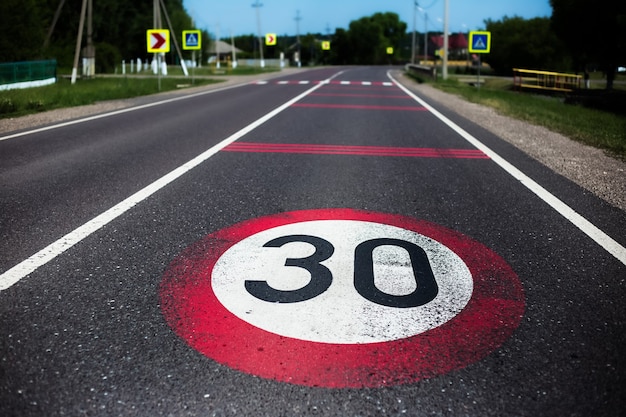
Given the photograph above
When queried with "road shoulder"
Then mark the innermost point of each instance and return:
(590, 168)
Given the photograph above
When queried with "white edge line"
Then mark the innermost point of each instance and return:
(29, 265)
(605, 241)
(120, 111)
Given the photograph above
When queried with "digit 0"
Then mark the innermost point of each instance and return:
(426, 284)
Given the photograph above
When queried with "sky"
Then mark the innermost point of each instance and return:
(239, 17)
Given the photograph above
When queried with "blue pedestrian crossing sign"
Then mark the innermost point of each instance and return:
(479, 42)
(192, 39)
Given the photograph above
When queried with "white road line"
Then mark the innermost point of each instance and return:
(21, 270)
(121, 111)
(588, 228)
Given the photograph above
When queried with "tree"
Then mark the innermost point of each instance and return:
(367, 39)
(520, 43)
(118, 25)
(21, 34)
(594, 33)
(340, 50)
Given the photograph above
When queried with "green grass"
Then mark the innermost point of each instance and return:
(15, 103)
(601, 129)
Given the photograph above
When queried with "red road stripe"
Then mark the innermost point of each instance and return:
(359, 95)
(358, 106)
(355, 150)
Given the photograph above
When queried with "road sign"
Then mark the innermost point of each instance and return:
(158, 40)
(479, 42)
(341, 298)
(192, 40)
(326, 45)
(270, 39)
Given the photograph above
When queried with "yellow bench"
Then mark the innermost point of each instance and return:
(545, 80)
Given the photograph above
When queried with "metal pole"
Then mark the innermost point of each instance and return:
(445, 40)
(478, 79)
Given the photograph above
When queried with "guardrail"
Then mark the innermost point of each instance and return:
(545, 80)
(424, 70)
(27, 74)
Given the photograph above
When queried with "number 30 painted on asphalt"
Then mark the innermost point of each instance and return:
(364, 279)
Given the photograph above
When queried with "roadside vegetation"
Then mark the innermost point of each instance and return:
(604, 129)
(20, 102)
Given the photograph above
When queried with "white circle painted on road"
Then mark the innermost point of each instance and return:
(354, 319)
(341, 298)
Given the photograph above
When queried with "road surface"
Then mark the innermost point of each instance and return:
(321, 243)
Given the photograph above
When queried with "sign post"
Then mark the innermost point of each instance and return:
(479, 43)
(192, 40)
(158, 43)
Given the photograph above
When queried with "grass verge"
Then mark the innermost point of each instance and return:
(601, 129)
(15, 103)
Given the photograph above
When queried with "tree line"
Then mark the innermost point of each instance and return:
(578, 36)
(119, 29)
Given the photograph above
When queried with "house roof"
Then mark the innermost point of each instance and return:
(455, 41)
(223, 47)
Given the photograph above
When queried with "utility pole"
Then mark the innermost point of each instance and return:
(425, 36)
(258, 6)
(414, 24)
(90, 51)
(46, 41)
(298, 19)
(173, 38)
(234, 52)
(156, 24)
(217, 46)
(445, 40)
(79, 40)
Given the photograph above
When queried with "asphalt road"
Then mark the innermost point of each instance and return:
(435, 269)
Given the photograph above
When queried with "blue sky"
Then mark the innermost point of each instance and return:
(321, 16)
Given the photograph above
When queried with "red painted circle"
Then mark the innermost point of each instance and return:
(196, 315)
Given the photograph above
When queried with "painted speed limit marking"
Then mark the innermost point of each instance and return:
(373, 284)
(341, 298)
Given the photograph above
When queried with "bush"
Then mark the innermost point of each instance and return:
(107, 57)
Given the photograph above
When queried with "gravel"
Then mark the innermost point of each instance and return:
(590, 168)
